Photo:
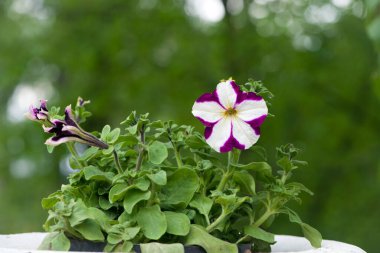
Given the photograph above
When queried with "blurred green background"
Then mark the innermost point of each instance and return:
(319, 57)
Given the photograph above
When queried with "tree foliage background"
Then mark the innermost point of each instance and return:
(320, 58)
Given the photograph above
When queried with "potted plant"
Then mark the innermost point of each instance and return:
(155, 186)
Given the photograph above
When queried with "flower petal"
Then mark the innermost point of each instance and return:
(231, 143)
(218, 134)
(57, 140)
(247, 96)
(69, 117)
(86, 137)
(227, 93)
(252, 111)
(43, 105)
(208, 112)
(244, 133)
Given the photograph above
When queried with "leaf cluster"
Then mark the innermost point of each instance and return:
(159, 182)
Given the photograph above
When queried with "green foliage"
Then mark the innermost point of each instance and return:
(259, 233)
(55, 241)
(198, 236)
(162, 183)
(157, 152)
(325, 76)
(178, 223)
(160, 248)
(152, 222)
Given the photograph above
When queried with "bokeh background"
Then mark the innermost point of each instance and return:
(319, 57)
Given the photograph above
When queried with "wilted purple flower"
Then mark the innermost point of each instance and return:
(81, 102)
(68, 130)
(38, 114)
(232, 117)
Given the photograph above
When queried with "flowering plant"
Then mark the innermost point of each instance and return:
(161, 185)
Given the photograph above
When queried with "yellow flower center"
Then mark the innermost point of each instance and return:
(230, 112)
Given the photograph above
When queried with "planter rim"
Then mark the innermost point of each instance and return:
(29, 242)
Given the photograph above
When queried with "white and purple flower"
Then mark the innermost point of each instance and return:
(232, 117)
(69, 130)
(64, 130)
(38, 114)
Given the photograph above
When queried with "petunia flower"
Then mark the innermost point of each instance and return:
(69, 130)
(232, 117)
(38, 114)
(81, 102)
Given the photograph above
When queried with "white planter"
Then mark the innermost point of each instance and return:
(29, 242)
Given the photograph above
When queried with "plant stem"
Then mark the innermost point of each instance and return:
(117, 162)
(177, 156)
(263, 218)
(223, 181)
(233, 158)
(141, 150)
(74, 153)
(216, 222)
(153, 190)
(258, 223)
(284, 177)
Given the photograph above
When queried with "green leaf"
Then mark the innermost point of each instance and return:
(114, 238)
(245, 181)
(106, 130)
(100, 217)
(130, 233)
(285, 163)
(89, 153)
(180, 188)
(113, 135)
(300, 163)
(259, 233)
(122, 232)
(159, 178)
(310, 233)
(90, 230)
(152, 222)
(196, 142)
(198, 236)
(260, 167)
(109, 247)
(109, 150)
(129, 140)
(104, 203)
(155, 247)
(51, 200)
(79, 214)
(230, 203)
(126, 217)
(56, 242)
(293, 216)
(50, 148)
(142, 183)
(300, 187)
(260, 151)
(178, 223)
(313, 235)
(132, 129)
(123, 247)
(157, 152)
(133, 197)
(93, 173)
(117, 192)
(202, 203)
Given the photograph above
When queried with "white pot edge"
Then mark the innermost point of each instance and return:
(29, 242)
